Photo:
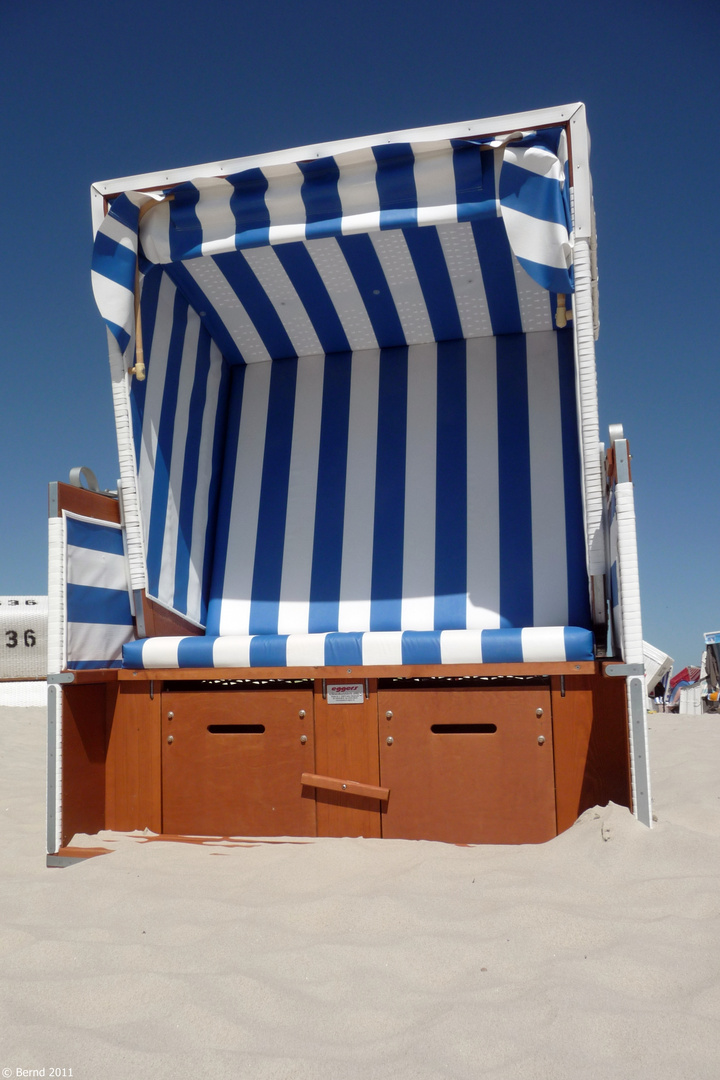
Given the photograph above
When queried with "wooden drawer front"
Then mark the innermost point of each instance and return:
(235, 762)
(467, 766)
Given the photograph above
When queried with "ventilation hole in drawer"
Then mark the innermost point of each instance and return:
(464, 729)
(236, 729)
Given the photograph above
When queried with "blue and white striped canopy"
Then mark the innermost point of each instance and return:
(394, 244)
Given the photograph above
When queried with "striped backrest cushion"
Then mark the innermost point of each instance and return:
(426, 487)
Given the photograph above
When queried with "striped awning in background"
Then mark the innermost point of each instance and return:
(394, 244)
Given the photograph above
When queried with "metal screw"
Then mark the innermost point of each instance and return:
(171, 715)
(303, 739)
(541, 739)
(538, 713)
(388, 714)
(170, 738)
(389, 740)
(344, 787)
(301, 714)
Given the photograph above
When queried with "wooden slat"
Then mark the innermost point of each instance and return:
(400, 671)
(349, 787)
(88, 503)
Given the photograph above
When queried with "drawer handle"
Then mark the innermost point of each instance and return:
(350, 787)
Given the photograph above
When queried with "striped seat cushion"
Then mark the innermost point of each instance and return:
(532, 644)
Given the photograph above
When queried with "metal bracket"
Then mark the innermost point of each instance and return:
(58, 679)
(624, 671)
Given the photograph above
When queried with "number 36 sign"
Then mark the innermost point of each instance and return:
(23, 637)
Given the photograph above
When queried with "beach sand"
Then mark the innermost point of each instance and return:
(593, 956)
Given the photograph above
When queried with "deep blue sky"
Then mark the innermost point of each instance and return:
(92, 91)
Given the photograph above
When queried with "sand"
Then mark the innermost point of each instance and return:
(593, 956)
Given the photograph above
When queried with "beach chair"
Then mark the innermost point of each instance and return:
(368, 569)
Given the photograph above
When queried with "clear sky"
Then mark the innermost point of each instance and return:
(92, 91)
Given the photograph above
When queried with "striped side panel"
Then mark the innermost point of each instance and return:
(179, 416)
(99, 618)
(434, 487)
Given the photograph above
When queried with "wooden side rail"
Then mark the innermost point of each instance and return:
(347, 787)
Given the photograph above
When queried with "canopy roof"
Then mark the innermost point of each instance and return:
(391, 240)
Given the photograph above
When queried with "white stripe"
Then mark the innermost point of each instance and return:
(382, 647)
(99, 569)
(435, 183)
(543, 644)
(161, 652)
(356, 576)
(180, 424)
(294, 606)
(549, 550)
(97, 641)
(202, 493)
(534, 302)
(357, 190)
(397, 265)
(237, 586)
(305, 650)
(284, 203)
(340, 284)
(214, 212)
(155, 233)
(155, 388)
(281, 293)
(463, 265)
(418, 588)
(231, 651)
(213, 283)
(461, 647)
(483, 507)
(536, 159)
(537, 240)
(114, 301)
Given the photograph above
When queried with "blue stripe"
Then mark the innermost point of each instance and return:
(185, 233)
(389, 517)
(330, 499)
(529, 193)
(216, 473)
(434, 278)
(578, 613)
(469, 164)
(451, 488)
(310, 287)
(269, 651)
(114, 261)
(163, 452)
(323, 208)
(370, 279)
(272, 512)
(86, 534)
(189, 483)
(495, 256)
(421, 647)
(148, 315)
(222, 538)
(257, 304)
(343, 650)
(90, 604)
(195, 652)
(132, 654)
(579, 643)
(502, 646)
(247, 202)
(395, 181)
(516, 576)
(210, 318)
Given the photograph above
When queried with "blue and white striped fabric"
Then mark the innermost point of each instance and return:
(99, 619)
(396, 244)
(554, 644)
(429, 488)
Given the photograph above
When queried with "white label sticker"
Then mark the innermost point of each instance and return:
(346, 693)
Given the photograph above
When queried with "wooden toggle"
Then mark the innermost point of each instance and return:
(348, 787)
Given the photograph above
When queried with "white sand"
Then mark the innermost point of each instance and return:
(596, 955)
